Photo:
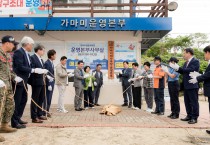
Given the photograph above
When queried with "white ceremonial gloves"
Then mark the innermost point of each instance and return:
(50, 88)
(40, 71)
(51, 79)
(95, 84)
(2, 84)
(140, 77)
(194, 74)
(193, 80)
(165, 69)
(86, 76)
(70, 74)
(18, 79)
(174, 66)
(150, 76)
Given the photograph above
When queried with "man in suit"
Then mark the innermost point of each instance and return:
(51, 54)
(196, 77)
(37, 82)
(136, 86)
(190, 90)
(79, 85)
(125, 76)
(99, 82)
(22, 67)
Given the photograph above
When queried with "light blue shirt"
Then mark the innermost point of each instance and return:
(172, 71)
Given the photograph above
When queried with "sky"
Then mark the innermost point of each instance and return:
(191, 16)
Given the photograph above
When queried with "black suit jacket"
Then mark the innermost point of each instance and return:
(206, 79)
(193, 65)
(21, 66)
(36, 79)
(99, 80)
(50, 68)
(126, 75)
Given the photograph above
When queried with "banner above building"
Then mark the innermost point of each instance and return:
(85, 24)
(25, 7)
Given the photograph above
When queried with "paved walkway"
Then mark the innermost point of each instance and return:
(127, 118)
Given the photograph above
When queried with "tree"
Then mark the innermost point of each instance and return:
(199, 39)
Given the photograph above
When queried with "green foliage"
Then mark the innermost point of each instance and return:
(168, 47)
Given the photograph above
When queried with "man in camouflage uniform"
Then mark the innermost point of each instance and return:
(6, 93)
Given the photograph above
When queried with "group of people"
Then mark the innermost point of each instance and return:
(22, 69)
(153, 83)
(19, 68)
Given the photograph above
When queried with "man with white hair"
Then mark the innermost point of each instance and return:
(22, 67)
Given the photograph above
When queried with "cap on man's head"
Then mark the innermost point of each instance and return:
(9, 39)
(157, 58)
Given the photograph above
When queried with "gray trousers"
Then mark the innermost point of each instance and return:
(148, 93)
(78, 97)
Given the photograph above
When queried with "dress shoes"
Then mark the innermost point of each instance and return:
(186, 119)
(97, 105)
(125, 104)
(49, 115)
(160, 113)
(78, 109)
(174, 116)
(42, 118)
(192, 121)
(169, 116)
(208, 131)
(37, 120)
(19, 126)
(23, 122)
(82, 108)
(129, 106)
(155, 112)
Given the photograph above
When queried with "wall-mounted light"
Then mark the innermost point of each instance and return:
(172, 6)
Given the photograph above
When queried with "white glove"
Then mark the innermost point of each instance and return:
(150, 76)
(49, 88)
(70, 74)
(136, 75)
(129, 80)
(165, 69)
(174, 66)
(51, 79)
(18, 79)
(86, 76)
(40, 71)
(193, 81)
(95, 84)
(194, 74)
(140, 77)
(2, 84)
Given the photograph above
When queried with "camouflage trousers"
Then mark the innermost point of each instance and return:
(7, 105)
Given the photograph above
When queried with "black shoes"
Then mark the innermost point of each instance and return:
(174, 116)
(19, 126)
(186, 119)
(23, 122)
(160, 113)
(170, 115)
(192, 121)
(129, 106)
(208, 131)
(80, 109)
(97, 105)
(125, 104)
(155, 112)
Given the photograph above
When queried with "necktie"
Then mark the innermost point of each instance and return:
(187, 62)
(98, 74)
(42, 62)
